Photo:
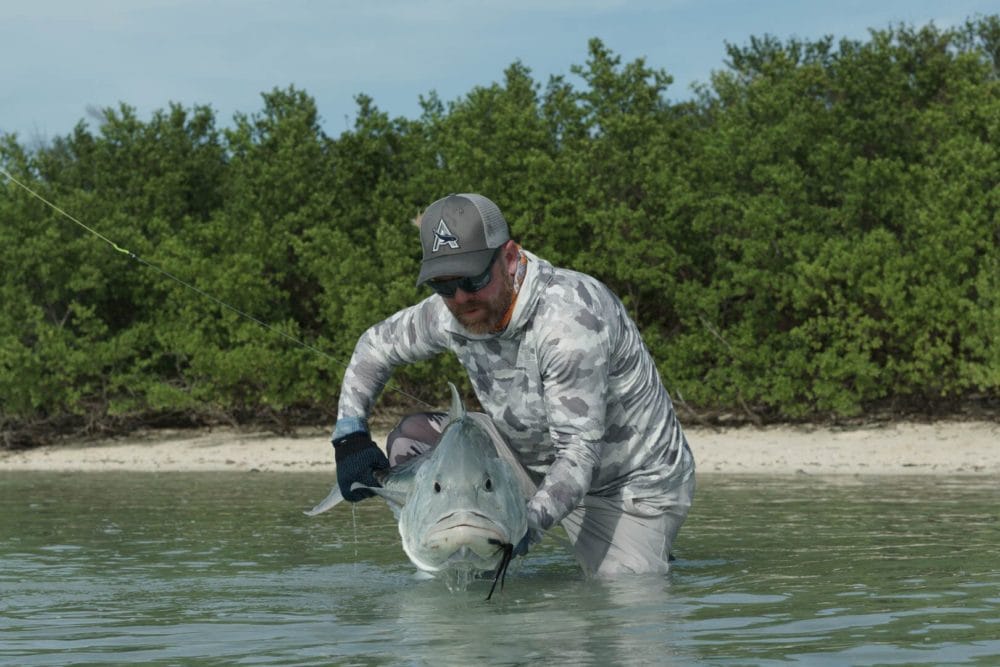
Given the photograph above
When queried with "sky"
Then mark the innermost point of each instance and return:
(60, 60)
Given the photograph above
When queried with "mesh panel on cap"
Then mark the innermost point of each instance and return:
(495, 227)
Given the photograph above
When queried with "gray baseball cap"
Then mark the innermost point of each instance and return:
(459, 235)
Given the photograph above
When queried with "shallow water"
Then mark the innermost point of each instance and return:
(178, 569)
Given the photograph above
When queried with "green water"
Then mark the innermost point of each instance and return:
(177, 569)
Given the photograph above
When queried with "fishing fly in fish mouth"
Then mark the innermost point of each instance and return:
(567, 387)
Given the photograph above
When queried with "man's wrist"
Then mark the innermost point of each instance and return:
(348, 425)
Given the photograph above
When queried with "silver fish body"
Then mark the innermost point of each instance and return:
(462, 505)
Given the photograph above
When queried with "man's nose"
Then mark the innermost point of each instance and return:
(461, 296)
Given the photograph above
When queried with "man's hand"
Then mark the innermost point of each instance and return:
(357, 458)
(531, 537)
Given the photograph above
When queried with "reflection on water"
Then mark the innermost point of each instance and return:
(223, 568)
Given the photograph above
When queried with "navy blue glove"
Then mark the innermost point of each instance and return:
(357, 458)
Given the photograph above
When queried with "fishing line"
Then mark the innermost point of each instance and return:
(194, 288)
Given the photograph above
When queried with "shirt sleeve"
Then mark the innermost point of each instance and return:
(410, 335)
(574, 361)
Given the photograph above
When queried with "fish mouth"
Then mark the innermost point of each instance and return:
(466, 536)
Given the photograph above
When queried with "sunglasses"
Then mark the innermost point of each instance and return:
(467, 284)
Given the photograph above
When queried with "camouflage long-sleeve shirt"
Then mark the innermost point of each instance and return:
(569, 383)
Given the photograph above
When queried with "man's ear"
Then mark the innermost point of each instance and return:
(510, 253)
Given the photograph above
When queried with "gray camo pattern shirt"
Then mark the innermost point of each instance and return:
(569, 383)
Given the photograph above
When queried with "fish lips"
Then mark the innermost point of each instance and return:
(467, 535)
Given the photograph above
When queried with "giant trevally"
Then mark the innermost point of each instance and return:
(460, 506)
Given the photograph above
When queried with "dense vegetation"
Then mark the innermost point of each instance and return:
(815, 234)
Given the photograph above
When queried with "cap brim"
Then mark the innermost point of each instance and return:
(460, 265)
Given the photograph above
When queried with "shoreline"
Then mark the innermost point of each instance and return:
(949, 447)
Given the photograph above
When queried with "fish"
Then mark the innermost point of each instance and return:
(460, 506)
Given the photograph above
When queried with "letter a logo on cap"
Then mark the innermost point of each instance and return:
(443, 235)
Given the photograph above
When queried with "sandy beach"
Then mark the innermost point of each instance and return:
(947, 447)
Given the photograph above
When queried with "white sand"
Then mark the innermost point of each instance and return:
(947, 447)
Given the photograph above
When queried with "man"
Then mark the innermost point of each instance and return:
(560, 367)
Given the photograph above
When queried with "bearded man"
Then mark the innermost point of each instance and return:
(559, 366)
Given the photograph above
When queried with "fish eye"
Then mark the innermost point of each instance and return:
(437, 487)
(489, 484)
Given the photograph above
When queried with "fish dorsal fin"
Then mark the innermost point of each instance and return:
(457, 409)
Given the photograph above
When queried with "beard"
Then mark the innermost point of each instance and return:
(483, 316)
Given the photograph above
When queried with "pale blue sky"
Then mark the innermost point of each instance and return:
(60, 57)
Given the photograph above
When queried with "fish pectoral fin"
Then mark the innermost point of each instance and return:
(391, 496)
(327, 503)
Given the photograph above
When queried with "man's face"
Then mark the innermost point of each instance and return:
(480, 312)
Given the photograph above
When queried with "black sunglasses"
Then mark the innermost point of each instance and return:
(468, 284)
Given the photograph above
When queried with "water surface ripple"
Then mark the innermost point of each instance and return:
(185, 569)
